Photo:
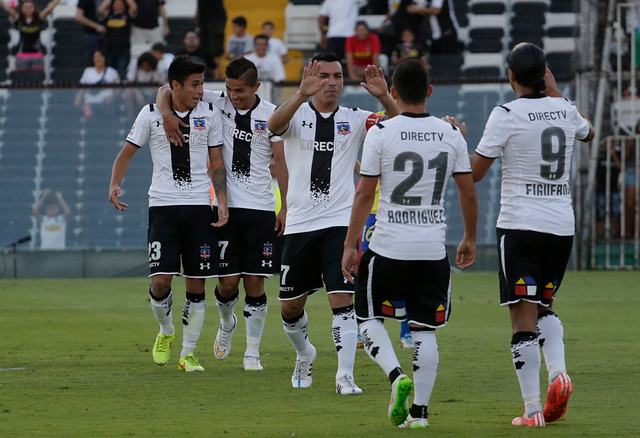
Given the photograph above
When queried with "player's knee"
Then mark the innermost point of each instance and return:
(291, 308)
(160, 285)
(338, 300)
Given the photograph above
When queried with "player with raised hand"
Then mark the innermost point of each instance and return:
(322, 140)
(405, 272)
(534, 135)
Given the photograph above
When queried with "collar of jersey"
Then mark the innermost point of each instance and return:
(416, 115)
(533, 96)
(320, 114)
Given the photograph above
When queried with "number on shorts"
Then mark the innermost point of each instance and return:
(223, 247)
(284, 271)
(548, 155)
(154, 251)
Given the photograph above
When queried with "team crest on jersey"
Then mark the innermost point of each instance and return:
(343, 128)
(205, 252)
(394, 309)
(198, 124)
(525, 287)
(267, 249)
(260, 127)
(441, 313)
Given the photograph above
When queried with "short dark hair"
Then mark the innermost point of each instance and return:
(182, 67)
(411, 81)
(260, 36)
(362, 23)
(149, 58)
(240, 21)
(159, 47)
(326, 57)
(528, 64)
(242, 69)
(268, 23)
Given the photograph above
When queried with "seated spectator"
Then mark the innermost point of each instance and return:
(118, 16)
(361, 50)
(240, 43)
(98, 74)
(193, 48)
(165, 59)
(145, 71)
(92, 31)
(146, 29)
(53, 221)
(29, 21)
(276, 45)
(269, 66)
(408, 49)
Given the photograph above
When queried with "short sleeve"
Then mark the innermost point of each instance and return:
(582, 126)
(495, 135)
(215, 133)
(462, 163)
(324, 9)
(372, 153)
(139, 133)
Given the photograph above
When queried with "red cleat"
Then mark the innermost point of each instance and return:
(557, 396)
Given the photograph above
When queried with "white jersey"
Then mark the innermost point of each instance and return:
(414, 155)
(321, 153)
(246, 152)
(179, 172)
(53, 232)
(269, 67)
(534, 136)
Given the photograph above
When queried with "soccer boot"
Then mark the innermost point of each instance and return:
(301, 377)
(190, 364)
(415, 423)
(345, 385)
(398, 406)
(222, 345)
(252, 363)
(557, 396)
(406, 341)
(162, 348)
(537, 420)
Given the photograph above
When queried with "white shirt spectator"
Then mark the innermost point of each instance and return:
(269, 67)
(277, 46)
(342, 15)
(91, 76)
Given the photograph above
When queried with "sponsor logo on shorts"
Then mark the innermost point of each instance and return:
(204, 266)
(394, 309)
(268, 263)
(205, 252)
(441, 313)
(525, 287)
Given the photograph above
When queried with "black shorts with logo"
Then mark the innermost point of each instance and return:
(532, 265)
(246, 243)
(182, 233)
(415, 290)
(312, 260)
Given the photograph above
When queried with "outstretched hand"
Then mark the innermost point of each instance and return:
(455, 122)
(375, 83)
(311, 82)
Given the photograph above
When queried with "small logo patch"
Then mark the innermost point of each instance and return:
(525, 287)
(343, 128)
(198, 124)
(267, 249)
(205, 252)
(394, 309)
(260, 127)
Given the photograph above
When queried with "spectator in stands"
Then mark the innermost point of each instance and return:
(211, 18)
(276, 45)
(630, 171)
(98, 74)
(408, 49)
(269, 65)
(193, 48)
(146, 29)
(399, 18)
(337, 20)
(443, 24)
(240, 43)
(92, 30)
(361, 49)
(118, 16)
(29, 21)
(159, 50)
(614, 188)
(53, 221)
(145, 71)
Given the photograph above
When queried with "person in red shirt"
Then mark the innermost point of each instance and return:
(361, 50)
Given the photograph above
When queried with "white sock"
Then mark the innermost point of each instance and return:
(192, 321)
(345, 337)
(425, 365)
(225, 309)
(162, 312)
(255, 316)
(551, 339)
(526, 360)
(296, 330)
(378, 346)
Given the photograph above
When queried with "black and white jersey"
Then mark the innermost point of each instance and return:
(246, 152)
(534, 135)
(321, 152)
(414, 155)
(445, 22)
(179, 173)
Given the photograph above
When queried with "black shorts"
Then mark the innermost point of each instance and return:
(313, 260)
(246, 243)
(532, 265)
(182, 232)
(415, 290)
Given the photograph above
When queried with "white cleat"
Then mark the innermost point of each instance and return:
(345, 385)
(252, 363)
(222, 345)
(301, 377)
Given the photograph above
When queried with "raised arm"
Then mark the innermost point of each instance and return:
(82, 19)
(133, 8)
(282, 175)
(466, 253)
(65, 208)
(376, 85)
(36, 208)
(46, 11)
(118, 171)
(9, 10)
(552, 90)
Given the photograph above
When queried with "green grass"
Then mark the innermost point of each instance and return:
(76, 361)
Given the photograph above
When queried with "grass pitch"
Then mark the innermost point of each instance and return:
(76, 361)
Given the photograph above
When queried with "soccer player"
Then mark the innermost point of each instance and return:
(246, 243)
(180, 214)
(321, 147)
(405, 272)
(534, 135)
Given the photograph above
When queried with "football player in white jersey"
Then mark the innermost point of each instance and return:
(180, 213)
(246, 243)
(534, 135)
(405, 272)
(322, 140)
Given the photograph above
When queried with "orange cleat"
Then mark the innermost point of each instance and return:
(536, 421)
(557, 396)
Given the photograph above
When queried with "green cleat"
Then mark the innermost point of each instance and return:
(190, 364)
(162, 349)
(398, 406)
